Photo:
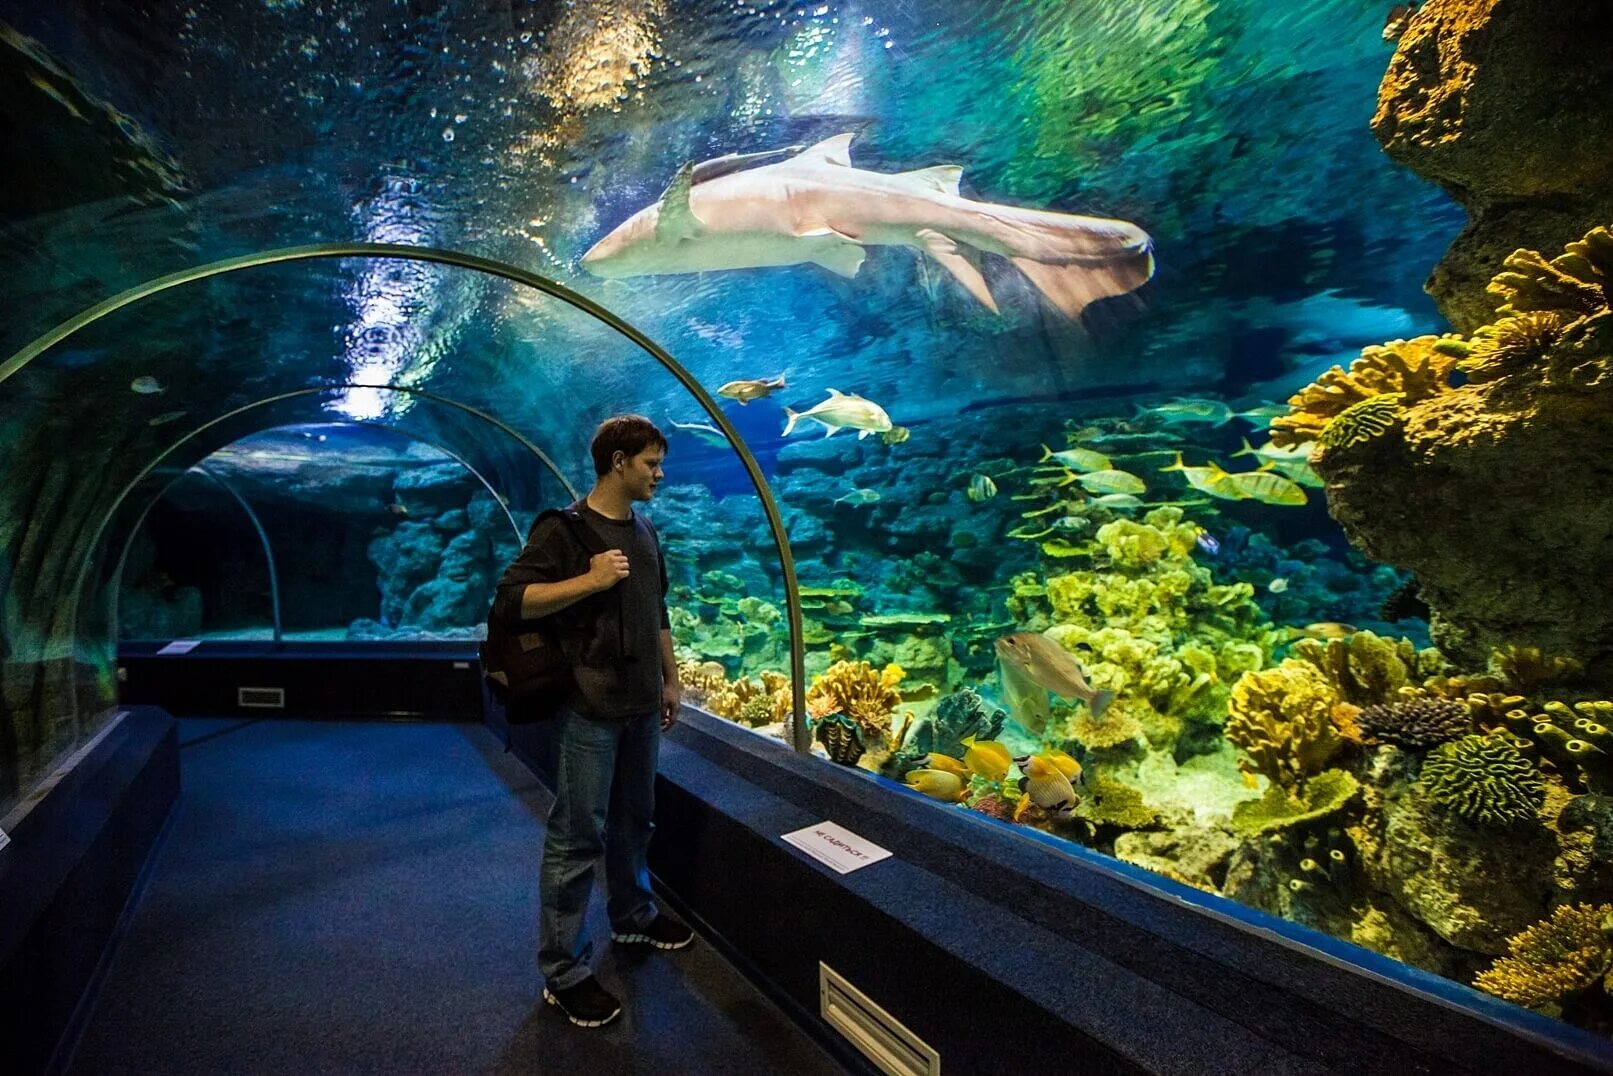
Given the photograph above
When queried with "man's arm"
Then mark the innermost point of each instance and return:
(671, 689)
(604, 571)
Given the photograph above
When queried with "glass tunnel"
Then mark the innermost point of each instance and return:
(1154, 427)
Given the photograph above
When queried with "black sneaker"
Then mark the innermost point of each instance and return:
(664, 932)
(587, 1004)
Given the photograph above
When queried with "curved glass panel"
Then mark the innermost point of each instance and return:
(1029, 314)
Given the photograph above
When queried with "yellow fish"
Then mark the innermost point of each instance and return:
(1077, 459)
(947, 764)
(1047, 786)
(937, 784)
(988, 758)
(1111, 481)
(1264, 486)
(1066, 765)
(1206, 479)
(1326, 629)
(746, 391)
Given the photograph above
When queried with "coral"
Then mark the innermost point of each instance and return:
(1411, 370)
(1195, 857)
(1485, 780)
(867, 696)
(1110, 803)
(1416, 721)
(1325, 794)
(992, 805)
(1365, 669)
(1524, 669)
(756, 710)
(1578, 745)
(700, 680)
(957, 716)
(1282, 719)
(1510, 344)
(1549, 963)
(1574, 284)
(1361, 422)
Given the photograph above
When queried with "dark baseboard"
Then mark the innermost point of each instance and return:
(70, 877)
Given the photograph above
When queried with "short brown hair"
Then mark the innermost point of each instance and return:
(627, 434)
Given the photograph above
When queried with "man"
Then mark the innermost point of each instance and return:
(615, 631)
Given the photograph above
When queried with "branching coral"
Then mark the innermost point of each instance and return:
(1361, 422)
(1575, 283)
(867, 696)
(1365, 669)
(1282, 719)
(1548, 964)
(1415, 369)
(1415, 721)
(1485, 780)
(1524, 669)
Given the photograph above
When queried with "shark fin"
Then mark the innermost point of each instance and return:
(843, 259)
(676, 219)
(944, 250)
(942, 178)
(836, 150)
(730, 163)
(1071, 288)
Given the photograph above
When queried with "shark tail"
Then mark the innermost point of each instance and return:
(793, 417)
(1072, 288)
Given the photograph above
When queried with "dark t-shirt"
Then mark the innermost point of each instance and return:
(618, 671)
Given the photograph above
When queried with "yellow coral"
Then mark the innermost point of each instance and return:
(1283, 720)
(865, 695)
(1574, 283)
(1417, 368)
(1548, 963)
(1366, 669)
(1523, 669)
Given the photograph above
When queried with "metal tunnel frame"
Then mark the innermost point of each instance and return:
(263, 536)
(775, 522)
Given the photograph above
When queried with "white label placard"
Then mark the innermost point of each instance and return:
(181, 646)
(836, 846)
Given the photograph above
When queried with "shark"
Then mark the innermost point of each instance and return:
(813, 206)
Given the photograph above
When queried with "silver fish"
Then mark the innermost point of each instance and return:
(1048, 665)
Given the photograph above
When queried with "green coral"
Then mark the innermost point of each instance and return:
(1282, 718)
(1556, 959)
(1365, 669)
(1486, 780)
(1112, 803)
(1361, 422)
(1325, 794)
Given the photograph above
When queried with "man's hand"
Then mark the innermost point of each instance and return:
(607, 569)
(671, 699)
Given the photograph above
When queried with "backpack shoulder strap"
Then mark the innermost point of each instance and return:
(585, 535)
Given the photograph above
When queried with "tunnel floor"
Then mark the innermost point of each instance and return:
(360, 897)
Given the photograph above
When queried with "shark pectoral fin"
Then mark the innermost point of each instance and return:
(1071, 288)
(841, 258)
(676, 219)
(942, 178)
(945, 251)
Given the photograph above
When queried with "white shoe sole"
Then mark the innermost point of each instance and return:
(552, 1000)
(645, 939)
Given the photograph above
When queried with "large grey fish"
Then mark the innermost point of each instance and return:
(1048, 665)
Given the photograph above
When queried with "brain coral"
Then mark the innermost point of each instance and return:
(1485, 780)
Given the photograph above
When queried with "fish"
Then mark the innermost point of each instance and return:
(988, 758)
(398, 509)
(1037, 513)
(1059, 481)
(1189, 410)
(1206, 479)
(1071, 524)
(981, 488)
(896, 435)
(146, 385)
(947, 764)
(1047, 786)
(1326, 629)
(841, 412)
(1207, 542)
(1048, 665)
(1278, 585)
(1067, 765)
(1028, 534)
(167, 417)
(746, 391)
(1112, 481)
(1397, 21)
(1077, 459)
(1265, 486)
(1024, 699)
(1262, 415)
(815, 207)
(1301, 473)
(937, 784)
(1270, 453)
(859, 497)
(1119, 502)
(703, 431)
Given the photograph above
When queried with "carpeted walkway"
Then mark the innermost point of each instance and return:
(362, 898)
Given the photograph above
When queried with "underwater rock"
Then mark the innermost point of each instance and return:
(1473, 885)
(1195, 856)
(1504, 104)
(434, 490)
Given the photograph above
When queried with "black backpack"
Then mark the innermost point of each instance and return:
(524, 663)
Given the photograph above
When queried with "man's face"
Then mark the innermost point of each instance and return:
(642, 473)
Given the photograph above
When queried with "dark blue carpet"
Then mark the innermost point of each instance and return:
(356, 898)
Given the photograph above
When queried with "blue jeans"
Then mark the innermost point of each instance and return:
(604, 802)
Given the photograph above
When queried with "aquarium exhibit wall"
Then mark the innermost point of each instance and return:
(1189, 418)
